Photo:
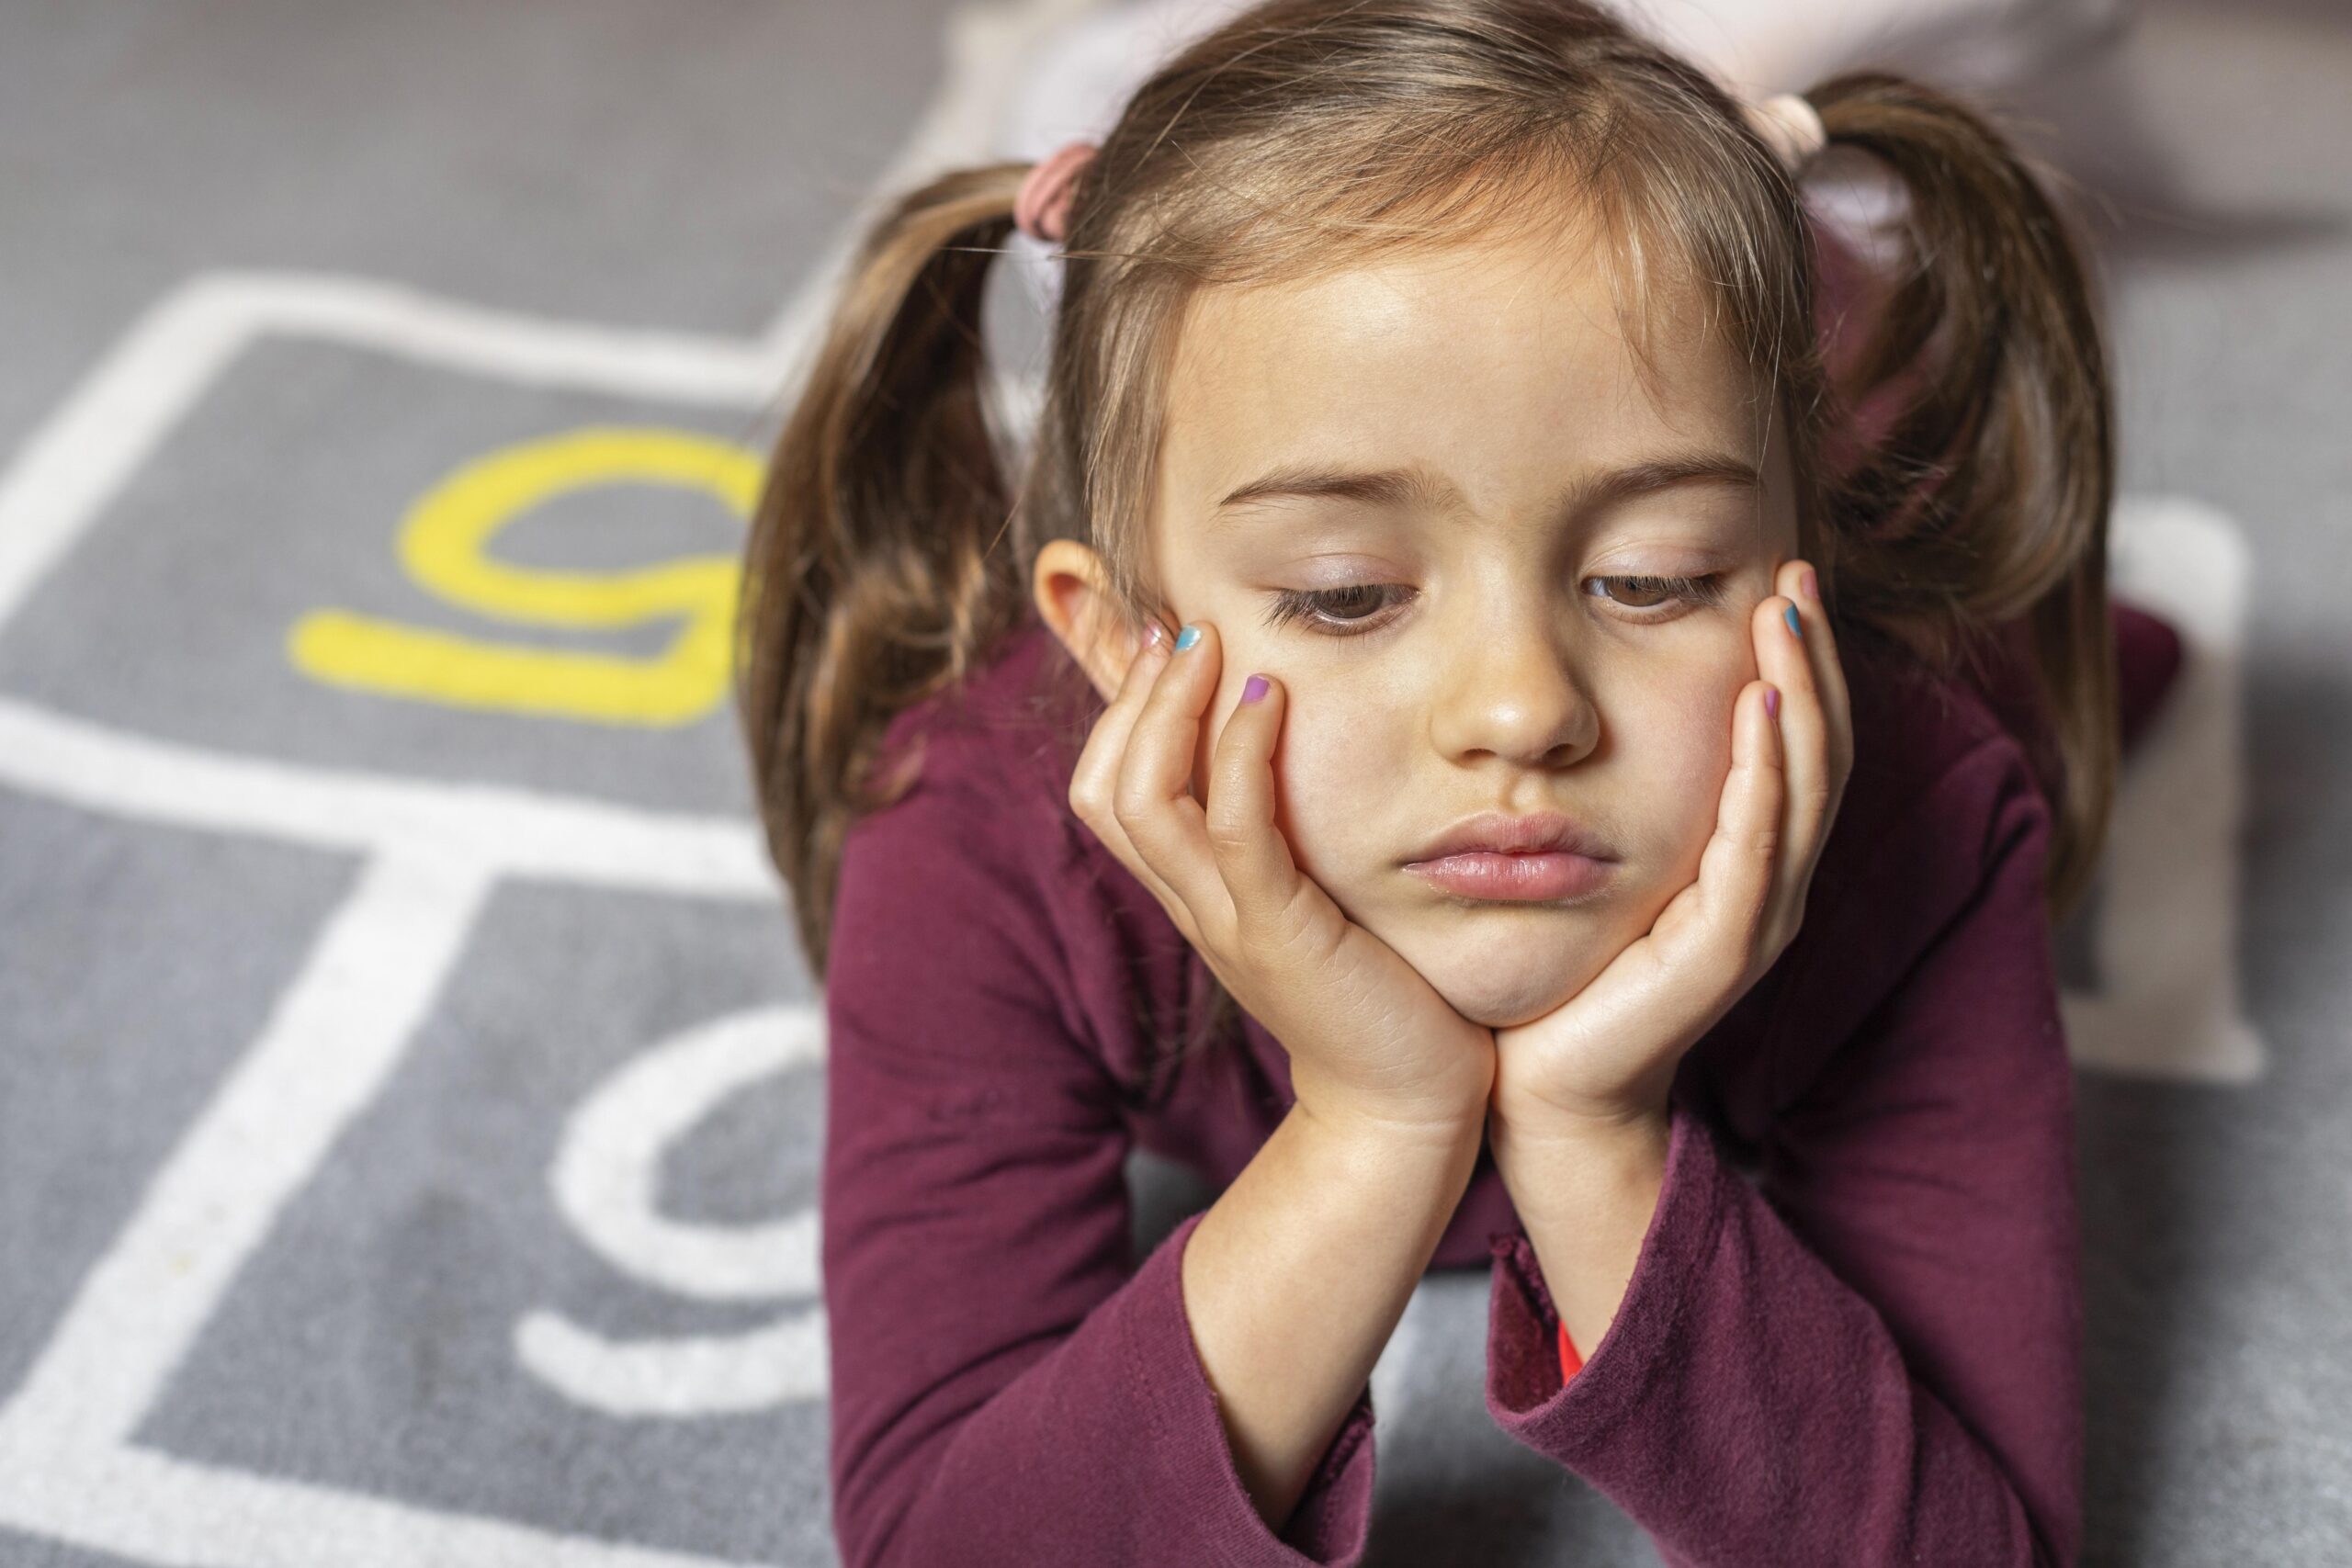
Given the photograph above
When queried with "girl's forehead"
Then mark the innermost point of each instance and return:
(1481, 349)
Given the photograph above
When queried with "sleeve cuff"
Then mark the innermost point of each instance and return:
(1526, 1394)
(1195, 1459)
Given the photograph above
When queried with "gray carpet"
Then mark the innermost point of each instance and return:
(409, 1093)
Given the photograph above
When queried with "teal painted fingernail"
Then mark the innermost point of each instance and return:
(1788, 614)
(1187, 637)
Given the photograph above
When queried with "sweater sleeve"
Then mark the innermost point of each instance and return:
(1870, 1355)
(1005, 1388)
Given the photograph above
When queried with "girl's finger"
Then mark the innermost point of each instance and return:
(1153, 798)
(1736, 869)
(1091, 780)
(1833, 754)
(1094, 779)
(1250, 850)
(1828, 676)
(1784, 659)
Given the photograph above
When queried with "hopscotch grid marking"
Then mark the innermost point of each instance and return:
(76, 461)
(429, 847)
(370, 976)
(67, 1470)
(72, 1477)
(511, 831)
(156, 1508)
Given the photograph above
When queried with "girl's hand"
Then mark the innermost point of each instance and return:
(1607, 1056)
(1369, 1039)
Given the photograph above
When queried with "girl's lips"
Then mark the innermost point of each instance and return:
(1487, 874)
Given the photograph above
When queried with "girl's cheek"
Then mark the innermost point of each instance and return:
(1321, 804)
(1699, 803)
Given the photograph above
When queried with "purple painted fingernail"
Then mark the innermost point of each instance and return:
(1253, 688)
(1772, 701)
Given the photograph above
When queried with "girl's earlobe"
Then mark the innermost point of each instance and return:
(1072, 594)
(1105, 659)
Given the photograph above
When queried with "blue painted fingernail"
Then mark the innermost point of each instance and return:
(1187, 637)
(1788, 614)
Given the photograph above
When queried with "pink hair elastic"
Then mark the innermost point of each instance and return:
(1042, 209)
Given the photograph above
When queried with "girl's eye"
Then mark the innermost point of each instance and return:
(1358, 607)
(1655, 592)
(1335, 612)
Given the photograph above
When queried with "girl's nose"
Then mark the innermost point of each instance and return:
(1510, 691)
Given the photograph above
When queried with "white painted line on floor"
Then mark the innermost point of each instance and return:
(784, 1362)
(495, 829)
(79, 458)
(2166, 939)
(539, 351)
(607, 1175)
(149, 1507)
(334, 1037)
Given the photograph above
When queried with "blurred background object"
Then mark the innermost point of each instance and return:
(409, 1095)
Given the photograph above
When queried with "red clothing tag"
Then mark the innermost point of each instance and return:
(1570, 1362)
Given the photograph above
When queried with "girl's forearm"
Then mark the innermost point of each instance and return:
(1295, 1278)
(1586, 1195)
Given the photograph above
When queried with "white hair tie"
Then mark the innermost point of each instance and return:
(1790, 125)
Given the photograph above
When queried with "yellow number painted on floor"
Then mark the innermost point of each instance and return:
(443, 544)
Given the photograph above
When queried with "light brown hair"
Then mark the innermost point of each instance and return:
(888, 553)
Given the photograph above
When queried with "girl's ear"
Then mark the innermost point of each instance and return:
(1073, 593)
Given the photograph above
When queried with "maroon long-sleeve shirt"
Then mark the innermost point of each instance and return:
(1853, 1332)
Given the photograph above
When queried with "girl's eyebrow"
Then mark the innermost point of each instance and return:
(1415, 485)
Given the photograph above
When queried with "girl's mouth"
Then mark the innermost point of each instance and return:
(1488, 873)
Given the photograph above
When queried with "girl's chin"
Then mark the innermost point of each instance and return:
(1501, 987)
(1493, 1007)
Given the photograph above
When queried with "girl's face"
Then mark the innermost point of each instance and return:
(1432, 497)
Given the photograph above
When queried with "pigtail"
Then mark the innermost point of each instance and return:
(869, 577)
(1974, 529)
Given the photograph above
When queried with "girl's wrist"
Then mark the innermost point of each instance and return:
(1410, 1158)
(1442, 1117)
(1432, 1127)
(1637, 1116)
(1567, 1161)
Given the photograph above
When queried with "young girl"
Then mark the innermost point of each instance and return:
(1626, 735)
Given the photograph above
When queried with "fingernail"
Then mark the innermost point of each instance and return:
(1788, 614)
(1153, 634)
(1253, 688)
(1772, 701)
(1811, 588)
(1187, 637)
